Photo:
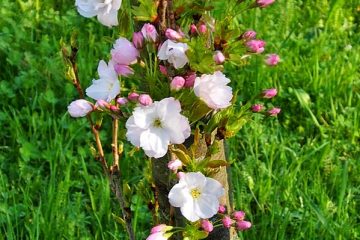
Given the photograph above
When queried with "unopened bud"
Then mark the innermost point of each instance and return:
(243, 225)
(133, 96)
(138, 39)
(269, 93)
(172, 34)
(207, 225)
(177, 83)
(202, 28)
(145, 99)
(274, 112)
(122, 101)
(219, 58)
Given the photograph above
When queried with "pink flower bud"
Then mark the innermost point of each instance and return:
(145, 99)
(248, 35)
(272, 59)
(227, 222)
(174, 165)
(102, 104)
(163, 70)
(133, 96)
(80, 108)
(269, 93)
(122, 101)
(207, 225)
(123, 70)
(256, 46)
(173, 35)
(264, 3)
(202, 28)
(243, 225)
(257, 107)
(159, 228)
(274, 112)
(219, 58)
(158, 236)
(193, 29)
(149, 32)
(180, 175)
(190, 80)
(114, 108)
(177, 83)
(138, 39)
(239, 215)
(222, 209)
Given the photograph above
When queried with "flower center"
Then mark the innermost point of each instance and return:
(195, 193)
(157, 123)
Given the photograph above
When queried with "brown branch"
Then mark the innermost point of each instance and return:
(117, 189)
(171, 15)
(114, 173)
(114, 145)
(162, 15)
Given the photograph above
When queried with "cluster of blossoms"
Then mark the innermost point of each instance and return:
(160, 125)
(259, 107)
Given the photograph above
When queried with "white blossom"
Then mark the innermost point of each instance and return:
(108, 86)
(80, 108)
(213, 90)
(197, 196)
(157, 125)
(105, 10)
(174, 53)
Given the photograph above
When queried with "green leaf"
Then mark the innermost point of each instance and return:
(217, 163)
(182, 156)
(146, 11)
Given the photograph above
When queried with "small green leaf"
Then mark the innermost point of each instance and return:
(182, 156)
(217, 163)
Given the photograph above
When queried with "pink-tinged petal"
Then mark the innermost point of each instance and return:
(116, 4)
(155, 142)
(214, 188)
(206, 206)
(168, 107)
(179, 195)
(195, 180)
(144, 116)
(133, 132)
(178, 128)
(86, 8)
(108, 19)
(156, 236)
(187, 211)
(124, 52)
(123, 70)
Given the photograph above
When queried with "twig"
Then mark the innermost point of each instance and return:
(171, 15)
(114, 173)
(117, 189)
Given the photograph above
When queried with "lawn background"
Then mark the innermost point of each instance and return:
(296, 176)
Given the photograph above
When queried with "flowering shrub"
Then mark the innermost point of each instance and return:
(184, 100)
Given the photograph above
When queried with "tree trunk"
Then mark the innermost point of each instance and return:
(163, 184)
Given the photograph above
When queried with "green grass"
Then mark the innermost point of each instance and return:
(297, 176)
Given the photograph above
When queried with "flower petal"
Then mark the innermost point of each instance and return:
(194, 180)
(187, 211)
(155, 142)
(108, 19)
(179, 195)
(213, 187)
(206, 206)
(133, 132)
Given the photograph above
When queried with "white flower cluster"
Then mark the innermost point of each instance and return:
(155, 126)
